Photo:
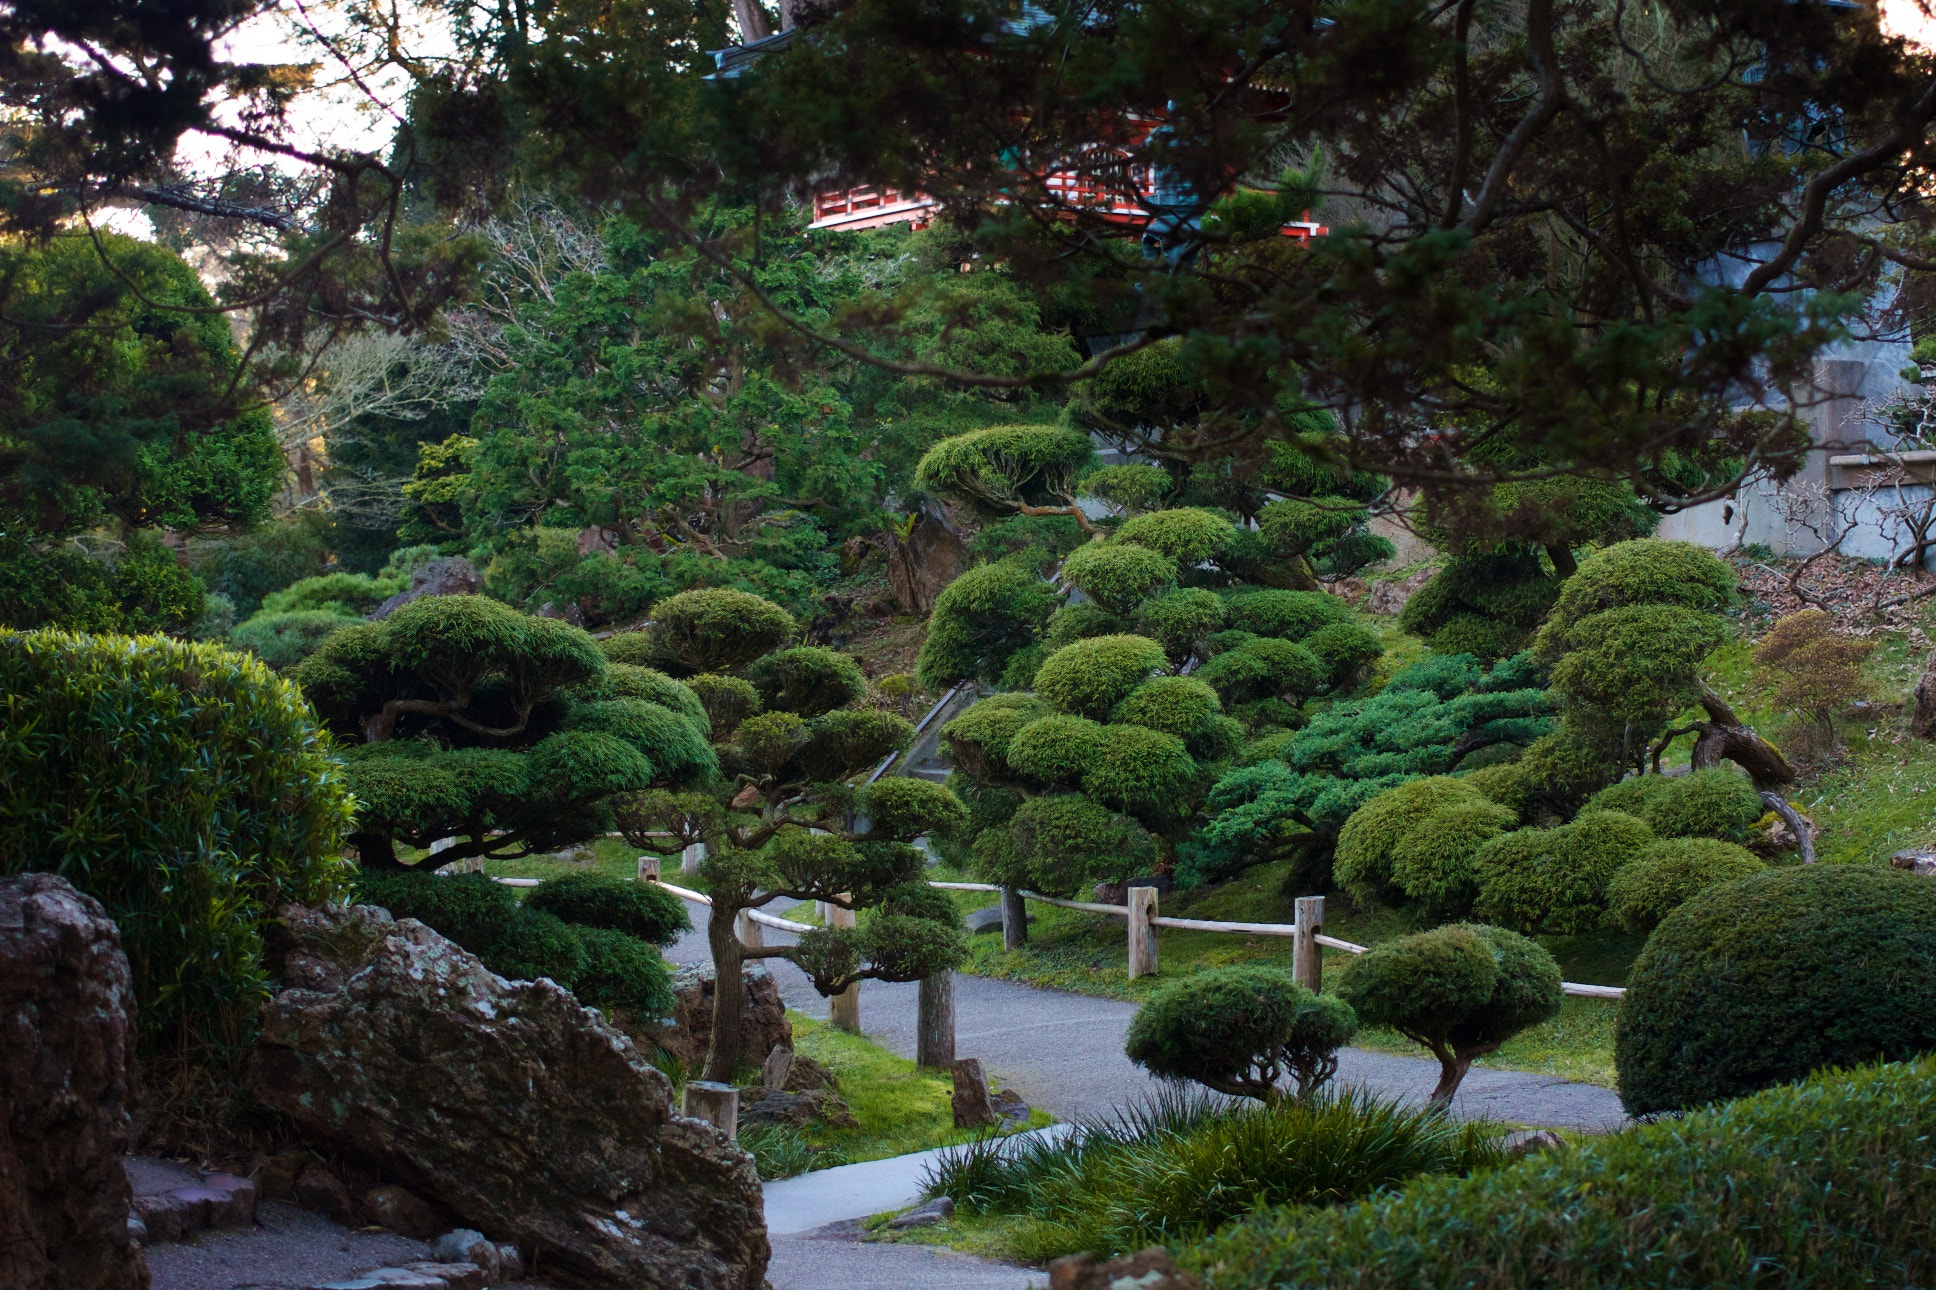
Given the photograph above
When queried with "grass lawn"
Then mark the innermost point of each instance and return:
(900, 1107)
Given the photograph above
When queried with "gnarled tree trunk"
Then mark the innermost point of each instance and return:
(722, 1058)
(1922, 719)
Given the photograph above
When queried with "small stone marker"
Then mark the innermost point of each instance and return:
(717, 1104)
(648, 868)
(938, 1210)
(777, 1066)
(972, 1107)
(1921, 863)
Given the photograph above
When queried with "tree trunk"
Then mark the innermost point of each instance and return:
(1922, 721)
(934, 1042)
(1564, 564)
(1014, 919)
(375, 850)
(1452, 1069)
(1724, 737)
(722, 1058)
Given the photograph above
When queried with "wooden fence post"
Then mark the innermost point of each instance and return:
(1307, 956)
(1014, 919)
(844, 1008)
(749, 932)
(934, 1032)
(1142, 936)
(648, 868)
(716, 1104)
(689, 858)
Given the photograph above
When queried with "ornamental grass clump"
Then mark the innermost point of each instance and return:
(1178, 1167)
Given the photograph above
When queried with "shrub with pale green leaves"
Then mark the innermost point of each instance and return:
(187, 788)
(1555, 880)
(1242, 1030)
(1119, 576)
(1720, 802)
(1666, 875)
(1090, 677)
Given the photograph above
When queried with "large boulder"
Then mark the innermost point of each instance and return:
(763, 1025)
(506, 1103)
(66, 1008)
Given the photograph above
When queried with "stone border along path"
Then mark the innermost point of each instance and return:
(1063, 1053)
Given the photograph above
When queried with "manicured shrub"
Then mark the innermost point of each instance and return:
(1145, 772)
(1179, 620)
(1645, 571)
(639, 909)
(715, 630)
(1555, 880)
(1631, 669)
(978, 739)
(632, 648)
(1064, 842)
(1810, 670)
(535, 945)
(1486, 605)
(726, 700)
(283, 640)
(1668, 874)
(1719, 802)
(1371, 836)
(1241, 1030)
(1118, 576)
(622, 974)
(1080, 622)
(1056, 750)
(1188, 535)
(1090, 677)
(629, 681)
(1295, 526)
(1263, 668)
(1461, 990)
(1814, 1184)
(484, 918)
(1286, 615)
(1762, 980)
(848, 740)
(187, 788)
(981, 620)
(352, 595)
(1346, 650)
(1177, 705)
(807, 679)
(993, 470)
(1432, 863)
(1128, 488)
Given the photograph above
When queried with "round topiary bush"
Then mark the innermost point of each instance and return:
(622, 974)
(1432, 863)
(1720, 802)
(1262, 668)
(1241, 1030)
(1080, 622)
(1056, 750)
(1369, 838)
(978, 739)
(981, 621)
(1065, 842)
(1346, 650)
(468, 908)
(1188, 535)
(715, 630)
(286, 639)
(1461, 990)
(1176, 705)
(1555, 880)
(1668, 874)
(1144, 772)
(1092, 676)
(1118, 576)
(1285, 615)
(808, 679)
(1179, 620)
(1644, 571)
(639, 909)
(1762, 980)
(630, 681)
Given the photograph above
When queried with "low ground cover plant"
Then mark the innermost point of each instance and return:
(1183, 1164)
(1762, 980)
(1821, 1183)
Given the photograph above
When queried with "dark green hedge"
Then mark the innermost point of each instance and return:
(1826, 1183)
(1759, 981)
(187, 788)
